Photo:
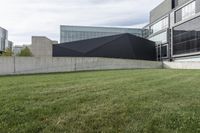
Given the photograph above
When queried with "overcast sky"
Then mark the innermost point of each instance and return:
(26, 18)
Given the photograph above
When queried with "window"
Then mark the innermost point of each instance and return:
(186, 37)
(174, 3)
(163, 24)
(160, 38)
(146, 32)
(178, 15)
(162, 51)
(188, 10)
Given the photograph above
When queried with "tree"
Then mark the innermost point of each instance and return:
(8, 52)
(25, 52)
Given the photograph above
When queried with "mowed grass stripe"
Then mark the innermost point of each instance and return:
(149, 100)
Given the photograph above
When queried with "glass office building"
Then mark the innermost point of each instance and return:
(3, 39)
(158, 32)
(76, 33)
(186, 32)
(175, 27)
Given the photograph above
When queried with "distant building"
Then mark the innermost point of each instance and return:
(41, 46)
(4, 43)
(77, 33)
(10, 45)
(3, 39)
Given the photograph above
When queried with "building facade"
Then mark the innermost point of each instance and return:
(77, 33)
(175, 27)
(41, 46)
(3, 39)
(10, 45)
(4, 42)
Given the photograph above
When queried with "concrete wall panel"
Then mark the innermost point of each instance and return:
(182, 65)
(41, 46)
(161, 10)
(6, 65)
(26, 65)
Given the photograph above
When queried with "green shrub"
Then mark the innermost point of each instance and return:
(8, 52)
(25, 52)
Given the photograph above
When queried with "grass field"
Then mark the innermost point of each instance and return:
(127, 101)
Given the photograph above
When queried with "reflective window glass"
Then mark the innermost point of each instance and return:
(163, 24)
(188, 10)
(186, 37)
(160, 38)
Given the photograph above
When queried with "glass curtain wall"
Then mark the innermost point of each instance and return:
(3, 39)
(159, 34)
(160, 38)
(188, 10)
(161, 25)
(186, 37)
(76, 33)
(185, 12)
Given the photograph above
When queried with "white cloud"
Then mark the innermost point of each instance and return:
(25, 18)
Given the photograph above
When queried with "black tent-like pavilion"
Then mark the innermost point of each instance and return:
(125, 46)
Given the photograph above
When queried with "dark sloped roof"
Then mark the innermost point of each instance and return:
(125, 46)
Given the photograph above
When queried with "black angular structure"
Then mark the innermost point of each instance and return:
(125, 46)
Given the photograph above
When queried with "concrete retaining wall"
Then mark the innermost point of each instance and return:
(6, 65)
(182, 65)
(26, 65)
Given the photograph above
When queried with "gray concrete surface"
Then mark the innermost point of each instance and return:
(41, 46)
(161, 10)
(6, 65)
(182, 65)
(27, 65)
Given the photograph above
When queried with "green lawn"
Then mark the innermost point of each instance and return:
(127, 101)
